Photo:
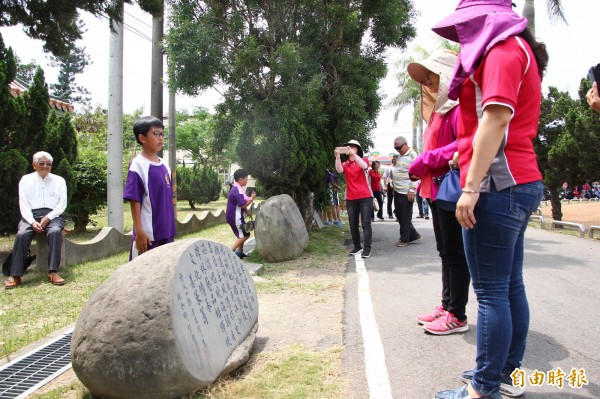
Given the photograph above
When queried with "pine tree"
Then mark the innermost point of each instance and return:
(33, 135)
(71, 65)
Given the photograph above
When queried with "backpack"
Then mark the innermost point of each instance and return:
(8, 263)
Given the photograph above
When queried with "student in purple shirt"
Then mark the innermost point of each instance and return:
(149, 190)
(237, 204)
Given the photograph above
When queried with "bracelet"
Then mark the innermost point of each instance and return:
(464, 190)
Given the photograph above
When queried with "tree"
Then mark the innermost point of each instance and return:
(25, 72)
(554, 11)
(568, 129)
(301, 76)
(550, 128)
(69, 66)
(89, 195)
(55, 22)
(198, 185)
(410, 94)
(32, 138)
(11, 109)
(12, 166)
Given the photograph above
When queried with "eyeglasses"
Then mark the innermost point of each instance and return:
(160, 135)
(44, 164)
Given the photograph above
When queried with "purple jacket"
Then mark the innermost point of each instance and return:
(434, 163)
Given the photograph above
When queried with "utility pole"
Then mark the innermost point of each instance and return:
(156, 89)
(115, 126)
(173, 146)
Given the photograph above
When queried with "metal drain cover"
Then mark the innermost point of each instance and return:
(27, 373)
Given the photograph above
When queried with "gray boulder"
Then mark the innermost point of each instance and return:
(280, 230)
(166, 324)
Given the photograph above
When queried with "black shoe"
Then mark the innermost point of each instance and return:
(355, 251)
(366, 253)
(420, 217)
(426, 217)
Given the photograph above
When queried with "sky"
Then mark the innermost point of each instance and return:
(573, 49)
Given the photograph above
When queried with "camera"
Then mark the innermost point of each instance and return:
(594, 74)
(342, 150)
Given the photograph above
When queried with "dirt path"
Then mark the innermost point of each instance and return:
(586, 213)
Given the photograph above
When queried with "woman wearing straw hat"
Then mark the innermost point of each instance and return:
(359, 198)
(439, 140)
(498, 80)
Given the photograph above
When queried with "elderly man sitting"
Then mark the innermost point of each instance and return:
(42, 200)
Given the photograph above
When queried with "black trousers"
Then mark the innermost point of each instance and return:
(455, 271)
(390, 200)
(360, 209)
(404, 211)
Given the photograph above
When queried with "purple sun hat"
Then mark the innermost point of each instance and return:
(477, 25)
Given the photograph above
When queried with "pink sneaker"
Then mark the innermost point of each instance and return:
(447, 324)
(438, 311)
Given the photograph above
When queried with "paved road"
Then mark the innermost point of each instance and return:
(562, 275)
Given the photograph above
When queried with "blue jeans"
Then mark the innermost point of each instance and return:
(360, 207)
(494, 251)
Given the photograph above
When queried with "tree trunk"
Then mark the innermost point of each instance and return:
(529, 13)
(192, 205)
(306, 205)
(81, 224)
(556, 206)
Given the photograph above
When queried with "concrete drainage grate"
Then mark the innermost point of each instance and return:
(27, 373)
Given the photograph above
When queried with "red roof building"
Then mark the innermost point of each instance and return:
(17, 88)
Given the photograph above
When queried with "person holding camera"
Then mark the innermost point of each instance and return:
(359, 198)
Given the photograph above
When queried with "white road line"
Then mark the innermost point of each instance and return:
(375, 368)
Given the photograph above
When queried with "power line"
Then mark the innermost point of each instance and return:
(136, 18)
(132, 30)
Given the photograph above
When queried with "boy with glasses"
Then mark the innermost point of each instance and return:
(149, 190)
(42, 200)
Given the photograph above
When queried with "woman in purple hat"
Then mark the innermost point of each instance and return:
(498, 82)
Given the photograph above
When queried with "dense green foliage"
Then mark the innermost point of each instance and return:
(91, 191)
(198, 185)
(301, 78)
(568, 134)
(12, 166)
(195, 134)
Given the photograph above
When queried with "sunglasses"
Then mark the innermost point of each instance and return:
(399, 147)
(44, 164)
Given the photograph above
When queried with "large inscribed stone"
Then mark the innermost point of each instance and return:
(166, 324)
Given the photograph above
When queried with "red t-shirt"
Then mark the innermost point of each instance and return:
(508, 75)
(375, 180)
(357, 186)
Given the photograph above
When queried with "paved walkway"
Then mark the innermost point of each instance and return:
(562, 275)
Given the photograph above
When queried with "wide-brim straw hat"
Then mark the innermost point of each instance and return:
(440, 62)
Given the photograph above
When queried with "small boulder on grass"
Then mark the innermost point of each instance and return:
(280, 230)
